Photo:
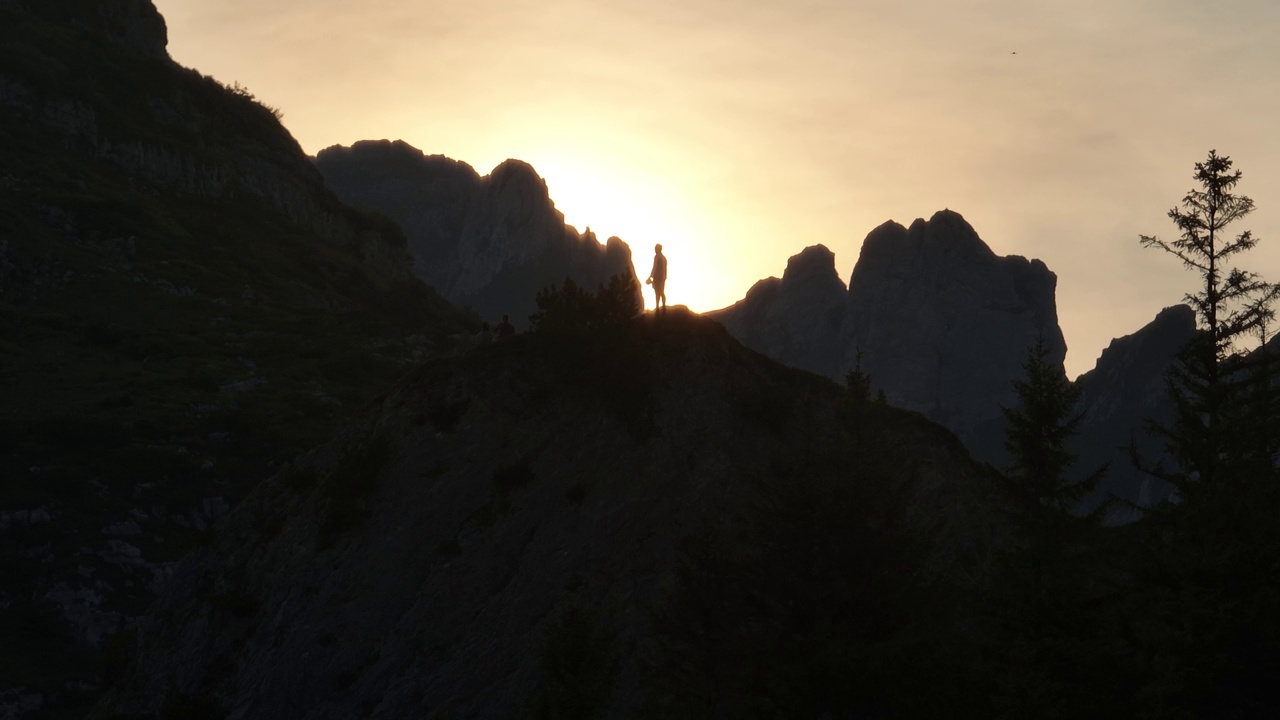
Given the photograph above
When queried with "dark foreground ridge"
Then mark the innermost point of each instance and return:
(183, 305)
(646, 522)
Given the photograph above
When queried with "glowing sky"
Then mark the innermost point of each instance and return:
(737, 132)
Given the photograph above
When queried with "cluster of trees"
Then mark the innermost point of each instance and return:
(570, 308)
(1178, 614)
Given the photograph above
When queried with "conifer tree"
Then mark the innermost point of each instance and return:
(1212, 638)
(1045, 576)
(1039, 480)
(1231, 304)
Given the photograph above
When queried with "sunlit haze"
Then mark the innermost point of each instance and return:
(738, 132)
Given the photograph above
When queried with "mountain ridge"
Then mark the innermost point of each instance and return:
(488, 242)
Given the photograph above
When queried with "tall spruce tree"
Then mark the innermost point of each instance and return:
(1210, 637)
(1046, 497)
(1045, 588)
(1232, 304)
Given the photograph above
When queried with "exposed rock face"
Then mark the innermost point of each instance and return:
(1126, 389)
(427, 195)
(799, 320)
(491, 242)
(943, 323)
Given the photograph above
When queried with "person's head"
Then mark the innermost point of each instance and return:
(506, 319)
(658, 248)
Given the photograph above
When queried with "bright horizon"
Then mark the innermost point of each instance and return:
(736, 133)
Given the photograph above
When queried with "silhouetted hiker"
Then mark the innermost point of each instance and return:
(505, 329)
(658, 278)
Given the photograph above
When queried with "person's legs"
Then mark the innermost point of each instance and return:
(660, 294)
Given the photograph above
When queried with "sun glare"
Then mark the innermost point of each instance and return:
(643, 211)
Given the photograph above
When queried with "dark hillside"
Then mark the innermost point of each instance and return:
(652, 522)
(183, 306)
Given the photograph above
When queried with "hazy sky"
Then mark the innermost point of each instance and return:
(737, 132)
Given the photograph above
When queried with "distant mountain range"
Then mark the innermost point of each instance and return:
(489, 243)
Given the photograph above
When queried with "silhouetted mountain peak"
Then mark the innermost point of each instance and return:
(885, 236)
(520, 175)
(394, 159)
(488, 242)
(945, 234)
(1125, 390)
(943, 323)
(814, 264)
(798, 319)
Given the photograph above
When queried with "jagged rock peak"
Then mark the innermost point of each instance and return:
(889, 231)
(1171, 327)
(813, 264)
(947, 232)
(519, 176)
(1125, 391)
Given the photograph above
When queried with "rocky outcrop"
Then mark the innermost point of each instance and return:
(801, 319)
(1127, 389)
(942, 322)
(490, 242)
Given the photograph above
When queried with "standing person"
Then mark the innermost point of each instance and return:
(658, 278)
(505, 328)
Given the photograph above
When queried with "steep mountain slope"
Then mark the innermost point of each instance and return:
(490, 243)
(653, 522)
(942, 322)
(183, 305)
(1125, 390)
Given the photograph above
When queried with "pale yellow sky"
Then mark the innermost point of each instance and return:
(737, 132)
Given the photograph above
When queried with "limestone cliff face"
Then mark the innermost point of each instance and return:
(428, 195)
(801, 319)
(490, 242)
(944, 323)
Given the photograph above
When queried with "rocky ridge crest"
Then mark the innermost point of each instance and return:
(490, 243)
(941, 321)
